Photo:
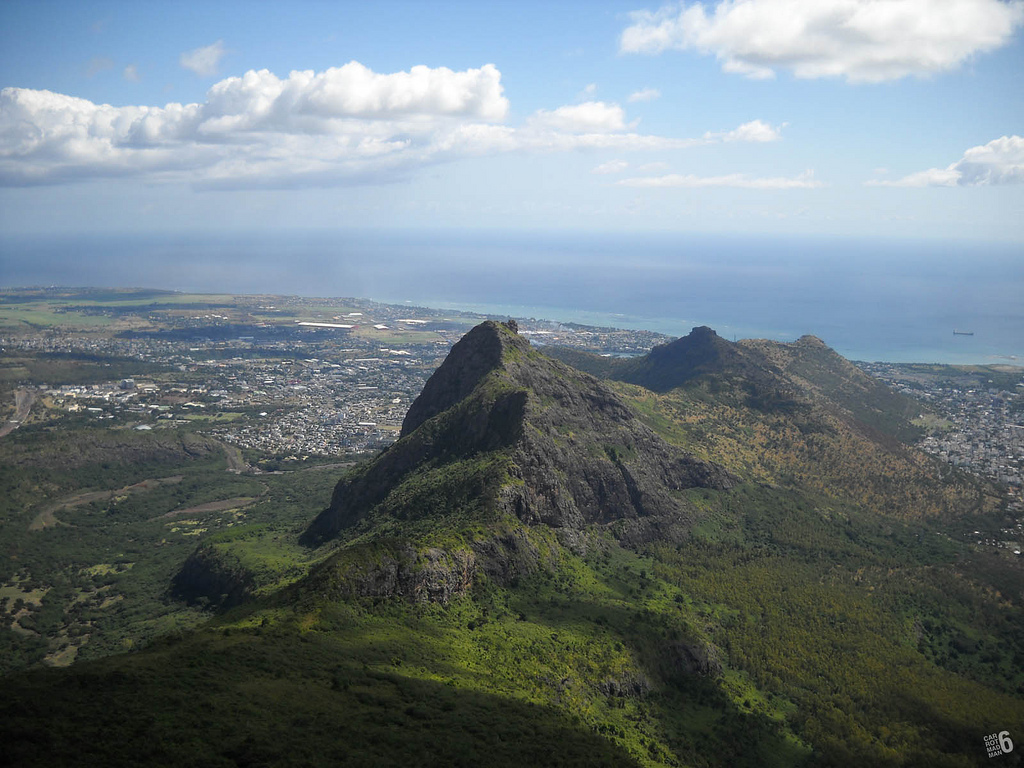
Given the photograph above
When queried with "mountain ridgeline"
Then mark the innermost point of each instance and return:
(503, 436)
(765, 375)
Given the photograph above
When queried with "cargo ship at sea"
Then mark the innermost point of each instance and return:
(962, 333)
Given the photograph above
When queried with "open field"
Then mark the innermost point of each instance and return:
(19, 319)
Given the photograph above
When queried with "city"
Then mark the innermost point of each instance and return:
(316, 381)
(979, 427)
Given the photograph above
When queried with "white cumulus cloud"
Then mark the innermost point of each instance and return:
(203, 61)
(861, 40)
(1001, 161)
(612, 166)
(805, 180)
(257, 129)
(345, 125)
(588, 117)
(755, 130)
(644, 94)
(933, 177)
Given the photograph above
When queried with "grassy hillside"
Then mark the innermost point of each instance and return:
(813, 447)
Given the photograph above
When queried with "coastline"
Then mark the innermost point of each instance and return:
(897, 350)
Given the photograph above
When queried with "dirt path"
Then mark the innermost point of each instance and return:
(213, 506)
(236, 463)
(47, 518)
(23, 399)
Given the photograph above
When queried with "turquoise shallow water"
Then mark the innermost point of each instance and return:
(900, 345)
(924, 343)
(870, 300)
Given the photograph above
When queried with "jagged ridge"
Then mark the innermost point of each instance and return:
(762, 374)
(795, 413)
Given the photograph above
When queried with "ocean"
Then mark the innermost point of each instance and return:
(897, 301)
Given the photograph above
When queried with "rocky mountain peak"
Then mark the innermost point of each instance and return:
(476, 354)
(670, 365)
(699, 345)
(808, 340)
(536, 440)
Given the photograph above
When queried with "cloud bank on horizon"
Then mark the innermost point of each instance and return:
(1001, 161)
(343, 125)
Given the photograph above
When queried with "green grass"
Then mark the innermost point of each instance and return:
(395, 336)
(16, 318)
(932, 422)
(270, 698)
(221, 416)
(576, 666)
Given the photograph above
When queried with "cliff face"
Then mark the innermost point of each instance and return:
(509, 430)
(473, 357)
(402, 568)
(583, 458)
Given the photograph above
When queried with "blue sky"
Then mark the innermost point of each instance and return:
(875, 118)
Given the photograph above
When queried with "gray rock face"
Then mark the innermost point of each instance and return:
(428, 575)
(695, 659)
(586, 459)
(630, 684)
(474, 356)
(573, 453)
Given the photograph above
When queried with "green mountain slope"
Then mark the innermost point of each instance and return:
(550, 570)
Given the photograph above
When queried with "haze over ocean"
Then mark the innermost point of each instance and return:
(888, 300)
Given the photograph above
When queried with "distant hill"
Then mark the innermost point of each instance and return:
(765, 373)
(701, 353)
(796, 414)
